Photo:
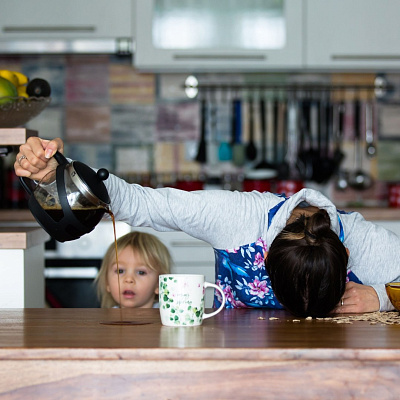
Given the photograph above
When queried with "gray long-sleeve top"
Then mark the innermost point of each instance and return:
(228, 220)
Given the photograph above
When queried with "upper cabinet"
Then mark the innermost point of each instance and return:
(50, 24)
(219, 35)
(356, 34)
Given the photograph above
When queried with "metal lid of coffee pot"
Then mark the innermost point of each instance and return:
(90, 183)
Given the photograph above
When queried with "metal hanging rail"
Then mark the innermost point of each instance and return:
(380, 87)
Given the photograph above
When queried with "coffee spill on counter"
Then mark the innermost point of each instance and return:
(121, 321)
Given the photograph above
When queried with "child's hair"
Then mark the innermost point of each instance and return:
(149, 248)
(307, 265)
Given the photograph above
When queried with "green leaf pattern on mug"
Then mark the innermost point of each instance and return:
(180, 313)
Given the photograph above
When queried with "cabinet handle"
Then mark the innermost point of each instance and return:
(364, 57)
(221, 57)
(48, 29)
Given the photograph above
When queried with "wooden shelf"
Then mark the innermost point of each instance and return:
(15, 136)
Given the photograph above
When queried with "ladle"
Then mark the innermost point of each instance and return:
(369, 133)
(359, 180)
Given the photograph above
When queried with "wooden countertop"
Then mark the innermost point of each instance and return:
(238, 353)
(21, 237)
(61, 331)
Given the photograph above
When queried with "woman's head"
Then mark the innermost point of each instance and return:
(142, 257)
(307, 265)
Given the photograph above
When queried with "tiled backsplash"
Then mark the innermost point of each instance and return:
(143, 127)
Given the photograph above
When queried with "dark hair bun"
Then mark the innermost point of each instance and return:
(318, 224)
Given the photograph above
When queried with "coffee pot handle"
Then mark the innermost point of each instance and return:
(60, 158)
(24, 181)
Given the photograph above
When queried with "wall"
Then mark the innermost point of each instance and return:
(144, 128)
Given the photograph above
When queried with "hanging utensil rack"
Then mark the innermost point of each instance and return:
(379, 88)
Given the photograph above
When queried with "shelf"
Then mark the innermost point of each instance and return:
(15, 136)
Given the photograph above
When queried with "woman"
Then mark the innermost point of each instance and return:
(244, 227)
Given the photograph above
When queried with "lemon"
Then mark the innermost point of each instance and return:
(7, 91)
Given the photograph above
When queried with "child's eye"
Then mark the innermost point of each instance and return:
(142, 272)
(120, 271)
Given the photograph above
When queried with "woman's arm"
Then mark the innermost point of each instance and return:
(222, 218)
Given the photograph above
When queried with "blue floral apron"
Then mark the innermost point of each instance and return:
(241, 273)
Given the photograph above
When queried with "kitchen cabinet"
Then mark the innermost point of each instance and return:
(223, 35)
(22, 266)
(24, 23)
(357, 34)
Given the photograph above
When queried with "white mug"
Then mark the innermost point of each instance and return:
(182, 299)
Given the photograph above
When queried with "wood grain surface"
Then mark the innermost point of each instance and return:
(71, 353)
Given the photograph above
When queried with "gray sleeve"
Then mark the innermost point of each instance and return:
(222, 218)
(374, 254)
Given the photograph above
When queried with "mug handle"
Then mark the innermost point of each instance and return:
(208, 284)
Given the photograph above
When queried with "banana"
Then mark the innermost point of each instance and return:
(22, 79)
(22, 91)
(9, 75)
(15, 77)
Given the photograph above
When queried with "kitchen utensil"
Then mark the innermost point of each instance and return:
(342, 176)
(306, 154)
(251, 149)
(224, 110)
(327, 165)
(369, 133)
(358, 180)
(283, 165)
(212, 145)
(238, 149)
(264, 164)
(70, 200)
(201, 156)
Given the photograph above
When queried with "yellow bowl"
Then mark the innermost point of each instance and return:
(393, 291)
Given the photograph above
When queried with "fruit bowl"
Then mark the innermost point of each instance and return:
(21, 110)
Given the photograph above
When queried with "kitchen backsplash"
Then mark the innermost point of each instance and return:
(145, 128)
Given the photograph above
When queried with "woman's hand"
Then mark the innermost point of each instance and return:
(358, 298)
(35, 158)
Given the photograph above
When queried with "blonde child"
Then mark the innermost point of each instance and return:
(141, 259)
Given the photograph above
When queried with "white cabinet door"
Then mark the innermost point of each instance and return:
(346, 34)
(65, 19)
(223, 35)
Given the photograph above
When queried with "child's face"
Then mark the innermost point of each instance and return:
(138, 283)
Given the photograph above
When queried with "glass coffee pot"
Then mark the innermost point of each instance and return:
(70, 200)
